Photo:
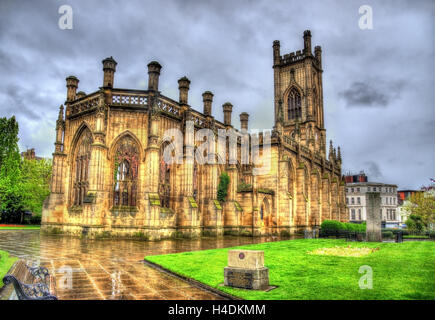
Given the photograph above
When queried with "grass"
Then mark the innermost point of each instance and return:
(412, 236)
(400, 270)
(6, 262)
(19, 227)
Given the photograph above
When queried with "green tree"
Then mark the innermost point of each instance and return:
(11, 204)
(415, 223)
(422, 205)
(35, 179)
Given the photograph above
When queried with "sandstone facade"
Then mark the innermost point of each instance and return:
(109, 177)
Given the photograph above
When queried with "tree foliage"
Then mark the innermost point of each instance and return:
(24, 184)
(415, 223)
(35, 177)
(11, 203)
(421, 205)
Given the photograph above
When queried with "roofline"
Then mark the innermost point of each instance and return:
(370, 184)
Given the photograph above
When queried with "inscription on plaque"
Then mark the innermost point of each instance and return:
(240, 279)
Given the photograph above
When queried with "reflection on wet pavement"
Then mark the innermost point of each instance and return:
(110, 268)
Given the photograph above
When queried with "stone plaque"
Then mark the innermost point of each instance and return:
(246, 270)
(250, 259)
(240, 279)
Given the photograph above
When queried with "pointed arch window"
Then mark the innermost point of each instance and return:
(164, 180)
(126, 173)
(294, 110)
(81, 171)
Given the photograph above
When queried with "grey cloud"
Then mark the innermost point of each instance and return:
(372, 93)
(22, 100)
(373, 171)
(226, 47)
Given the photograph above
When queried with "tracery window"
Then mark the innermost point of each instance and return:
(81, 174)
(126, 173)
(294, 105)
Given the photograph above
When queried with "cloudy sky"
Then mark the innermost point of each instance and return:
(378, 84)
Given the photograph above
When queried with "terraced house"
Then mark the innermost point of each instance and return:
(110, 178)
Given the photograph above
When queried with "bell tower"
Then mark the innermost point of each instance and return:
(298, 92)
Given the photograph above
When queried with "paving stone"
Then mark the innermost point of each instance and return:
(112, 268)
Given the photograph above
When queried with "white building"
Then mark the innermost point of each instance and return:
(356, 202)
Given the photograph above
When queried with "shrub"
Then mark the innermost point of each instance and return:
(354, 227)
(285, 233)
(415, 223)
(332, 225)
(35, 219)
(387, 234)
(395, 231)
(432, 234)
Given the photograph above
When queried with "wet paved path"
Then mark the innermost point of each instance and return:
(110, 269)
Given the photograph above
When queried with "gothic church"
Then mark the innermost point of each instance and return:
(109, 177)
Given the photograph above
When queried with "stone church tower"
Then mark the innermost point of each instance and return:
(110, 176)
(299, 94)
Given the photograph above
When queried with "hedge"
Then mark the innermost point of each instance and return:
(387, 234)
(334, 225)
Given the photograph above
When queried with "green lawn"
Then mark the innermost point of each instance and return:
(400, 270)
(6, 262)
(23, 227)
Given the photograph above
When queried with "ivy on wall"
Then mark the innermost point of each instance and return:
(224, 182)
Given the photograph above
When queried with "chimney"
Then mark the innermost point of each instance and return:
(183, 87)
(72, 84)
(153, 75)
(307, 42)
(318, 54)
(244, 121)
(228, 108)
(109, 68)
(276, 52)
(207, 98)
